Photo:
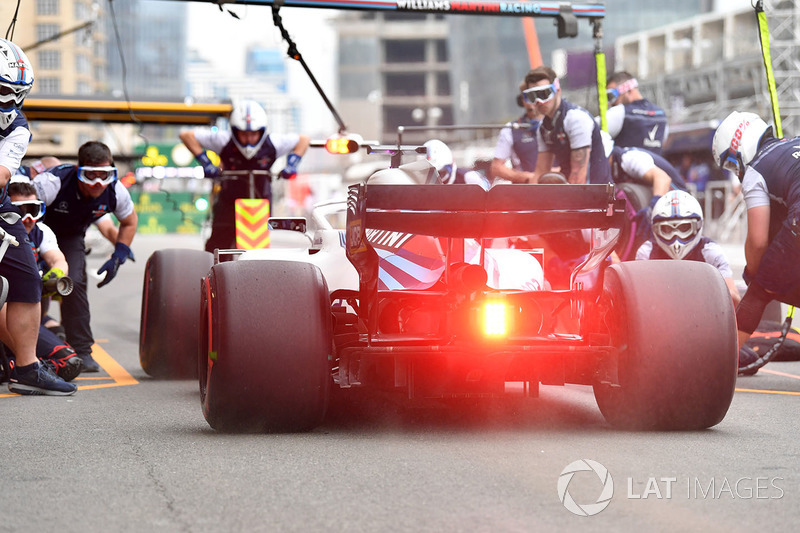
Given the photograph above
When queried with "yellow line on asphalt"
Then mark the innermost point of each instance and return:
(114, 370)
(759, 391)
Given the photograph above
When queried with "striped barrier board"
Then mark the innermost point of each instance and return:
(252, 230)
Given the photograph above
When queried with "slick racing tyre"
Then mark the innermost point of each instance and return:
(266, 339)
(168, 338)
(675, 328)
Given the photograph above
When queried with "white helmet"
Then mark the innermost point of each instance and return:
(440, 156)
(736, 141)
(16, 80)
(248, 115)
(677, 223)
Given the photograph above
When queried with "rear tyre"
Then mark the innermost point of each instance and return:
(674, 324)
(266, 340)
(171, 311)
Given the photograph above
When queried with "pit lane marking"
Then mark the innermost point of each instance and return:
(114, 370)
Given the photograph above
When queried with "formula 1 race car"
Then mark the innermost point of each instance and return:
(421, 295)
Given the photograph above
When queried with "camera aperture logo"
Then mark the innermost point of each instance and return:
(586, 509)
(660, 488)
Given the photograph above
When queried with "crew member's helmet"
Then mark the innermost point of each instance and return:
(248, 115)
(736, 141)
(677, 221)
(440, 156)
(16, 80)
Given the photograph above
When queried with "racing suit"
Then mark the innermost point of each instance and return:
(572, 127)
(69, 214)
(519, 145)
(773, 179)
(223, 230)
(639, 124)
(18, 265)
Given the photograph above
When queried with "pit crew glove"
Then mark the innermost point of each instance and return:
(53, 273)
(290, 171)
(209, 169)
(121, 253)
(642, 220)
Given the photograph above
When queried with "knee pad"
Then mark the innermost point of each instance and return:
(60, 354)
(751, 308)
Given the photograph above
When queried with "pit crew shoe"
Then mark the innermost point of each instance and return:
(747, 359)
(38, 379)
(89, 364)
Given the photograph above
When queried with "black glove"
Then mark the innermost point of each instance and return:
(209, 169)
(290, 172)
(120, 255)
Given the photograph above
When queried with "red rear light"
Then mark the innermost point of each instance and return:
(496, 316)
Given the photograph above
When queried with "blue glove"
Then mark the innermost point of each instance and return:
(290, 172)
(209, 169)
(120, 255)
(642, 220)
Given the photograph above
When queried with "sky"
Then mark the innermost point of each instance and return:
(308, 28)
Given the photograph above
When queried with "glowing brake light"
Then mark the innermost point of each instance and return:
(343, 144)
(495, 319)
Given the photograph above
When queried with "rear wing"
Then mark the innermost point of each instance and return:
(468, 211)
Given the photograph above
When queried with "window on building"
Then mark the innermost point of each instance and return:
(441, 51)
(394, 116)
(82, 11)
(49, 60)
(447, 115)
(358, 51)
(442, 83)
(48, 85)
(404, 51)
(82, 64)
(45, 31)
(84, 88)
(405, 84)
(84, 37)
(47, 7)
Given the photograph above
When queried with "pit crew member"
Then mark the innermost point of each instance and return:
(247, 146)
(632, 120)
(20, 316)
(76, 196)
(769, 170)
(568, 133)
